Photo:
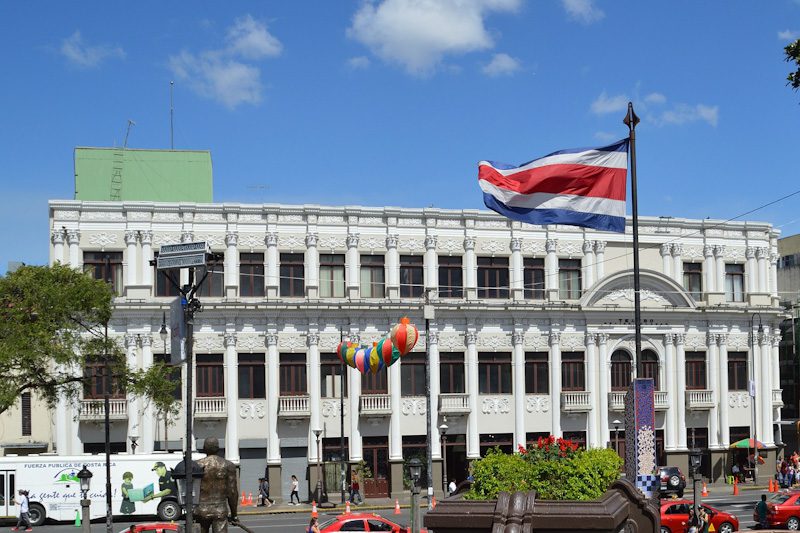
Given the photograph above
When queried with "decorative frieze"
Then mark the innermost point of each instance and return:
(538, 403)
(252, 410)
(413, 406)
(104, 239)
(495, 406)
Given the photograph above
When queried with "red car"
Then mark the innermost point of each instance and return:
(153, 527)
(783, 509)
(675, 517)
(362, 522)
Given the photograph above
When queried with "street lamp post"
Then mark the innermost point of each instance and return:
(414, 472)
(752, 391)
(443, 432)
(695, 459)
(616, 423)
(134, 443)
(85, 478)
(164, 336)
(317, 433)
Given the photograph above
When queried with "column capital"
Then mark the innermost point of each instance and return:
(433, 337)
(719, 251)
(550, 245)
(146, 340)
(722, 339)
(271, 339)
(517, 338)
(73, 236)
(591, 338)
(554, 338)
(57, 236)
(430, 242)
(313, 339)
(677, 249)
(708, 250)
(131, 236)
(130, 340)
(391, 240)
(680, 339)
(773, 258)
(229, 339)
(469, 243)
(470, 337)
(146, 237)
(776, 341)
(311, 240)
(750, 252)
(588, 247)
(599, 246)
(602, 338)
(764, 338)
(516, 244)
(187, 236)
(271, 239)
(669, 339)
(231, 238)
(711, 339)
(666, 249)
(762, 253)
(352, 240)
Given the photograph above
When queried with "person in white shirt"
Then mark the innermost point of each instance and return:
(24, 512)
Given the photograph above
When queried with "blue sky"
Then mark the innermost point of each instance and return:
(393, 102)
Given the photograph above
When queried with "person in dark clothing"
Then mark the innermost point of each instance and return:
(263, 490)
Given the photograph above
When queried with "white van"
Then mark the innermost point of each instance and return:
(140, 485)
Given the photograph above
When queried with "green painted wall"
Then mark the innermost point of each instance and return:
(154, 175)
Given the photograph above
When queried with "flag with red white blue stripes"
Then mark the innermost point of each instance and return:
(578, 187)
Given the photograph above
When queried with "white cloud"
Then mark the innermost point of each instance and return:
(501, 64)
(607, 136)
(685, 113)
(84, 56)
(583, 11)
(418, 34)
(655, 98)
(251, 40)
(358, 62)
(226, 74)
(788, 35)
(604, 104)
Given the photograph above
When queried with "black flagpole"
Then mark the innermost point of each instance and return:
(631, 120)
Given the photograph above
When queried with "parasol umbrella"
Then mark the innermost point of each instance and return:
(747, 443)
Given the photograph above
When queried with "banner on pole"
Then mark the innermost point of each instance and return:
(177, 325)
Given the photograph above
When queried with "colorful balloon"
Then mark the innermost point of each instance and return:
(350, 354)
(404, 336)
(386, 349)
(361, 359)
(375, 361)
(341, 350)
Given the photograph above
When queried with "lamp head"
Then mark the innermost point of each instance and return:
(443, 429)
(415, 469)
(317, 432)
(616, 423)
(163, 331)
(85, 478)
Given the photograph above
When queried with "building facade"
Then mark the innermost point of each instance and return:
(533, 333)
(27, 427)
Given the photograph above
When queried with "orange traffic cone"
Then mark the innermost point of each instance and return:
(347, 508)
(397, 506)
(775, 487)
(244, 499)
(433, 502)
(735, 487)
(770, 487)
(314, 509)
(250, 499)
(705, 490)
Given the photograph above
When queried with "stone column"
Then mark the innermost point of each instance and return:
(713, 384)
(603, 369)
(312, 266)
(761, 255)
(74, 241)
(593, 438)
(776, 378)
(680, 364)
(473, 437)
(352, 266)
(666, 259)
(677, 264)
(63, 427)
(767, 434)
(131, 342)
(354, 391)
(773, 275)
(146, 238)
(555, 383)
(516, 274)
(433, 361)
(599, 251)
(470, 269)
(131, 237)
(231, 396)
(395, 431)
(273, 282)
(751, 270)
(588, 265)
(431, 275)
(57, 238)
(273, 392)
(724, 419)
(314, 390)
(551, 274)
(231, 268)
(392, 268)
(719, 253)
(709, 270)
(517, 339)
(671, 430)
(149, 420)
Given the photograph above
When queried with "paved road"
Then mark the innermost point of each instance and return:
(740, 506)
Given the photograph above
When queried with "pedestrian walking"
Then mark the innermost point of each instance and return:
(313, 526)
(263, 490)
(355, 491)
(761, 511)
(24, 512)
(295, 491)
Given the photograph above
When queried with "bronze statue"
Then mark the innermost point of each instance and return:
(219, 489)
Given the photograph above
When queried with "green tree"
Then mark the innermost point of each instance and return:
(793, 56)
(52, 320)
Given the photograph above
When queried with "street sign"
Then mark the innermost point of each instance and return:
(181, 261)
(183, 248)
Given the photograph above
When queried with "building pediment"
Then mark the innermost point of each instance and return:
(657, 291)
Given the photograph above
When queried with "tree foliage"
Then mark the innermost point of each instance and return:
(52, 320)
(793, 56)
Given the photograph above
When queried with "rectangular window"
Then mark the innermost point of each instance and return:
(251, 275)
(578, 437)
(375, 383)
(734, 283)
(292, 275)
(97, 379)
(214, 284)
(696, 370)
(252, 377)
(210, 375)
(165, 287)
(737, 370)
(106, 266)
(569, 279)
(331, 376)
(372, 276)
(451, 372)
(494, 373)
(573, 371)
(331, 276)
(533, 276)
(493, 277)
(411, 276)
(451, 283)
(26, 414)
(293, 380)
(412, 375)
(693, 279)
(537, 374)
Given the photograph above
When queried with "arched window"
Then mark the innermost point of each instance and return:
(620, 370)
(650, 366)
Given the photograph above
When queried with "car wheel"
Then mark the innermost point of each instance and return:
(169, 510)
(674, 481)
(37, 514)
(665, 530)
(793, 523)
(726, 527)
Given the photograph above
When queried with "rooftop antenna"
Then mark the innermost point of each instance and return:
(171, 112)
(128, 132)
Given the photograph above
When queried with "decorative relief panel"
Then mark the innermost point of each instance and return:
(413, 406)
(449, 245)
(251, 241)
(328, 342)
(537, 404)
(738, 399)
(450, 342)
(533, 247)
(569, 248)
(103, 239)
(251, 217)
(102, 215)
(409, 221)
(495, 405)
(290, 218)
(494, 246)
(368, 337)
(65, 215)
(536, 341)
(644, 295)
(291, 242)
(166, 238)
(330, 219)
(738, 342)
(330, 408)
(494, 341)
(211, 239)
(209, 217)
(373, 243)
(252, 343)
(330, 242)
(572, 341)
(208, 343)
(411, 244)
(252, 410)
(293, 342)
(736, 254)
(714, 232)
(370, 221)
(695, 341)
(138, 215)
(692, 252)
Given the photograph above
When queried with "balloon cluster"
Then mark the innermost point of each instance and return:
(399, 342)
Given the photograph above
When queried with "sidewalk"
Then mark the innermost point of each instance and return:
(373, 504)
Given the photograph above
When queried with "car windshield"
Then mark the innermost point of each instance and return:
(779, 498)
(325, 524)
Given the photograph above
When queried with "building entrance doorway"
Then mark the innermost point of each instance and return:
(376, 456)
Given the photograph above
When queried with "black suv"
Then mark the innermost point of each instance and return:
(672, 481)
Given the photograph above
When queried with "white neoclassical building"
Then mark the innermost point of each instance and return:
(533, 333)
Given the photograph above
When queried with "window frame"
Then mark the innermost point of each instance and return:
(96, 381)
(494, 373)
(493, 277)
(251, 369)
(412, 375)
(331, 367)
(693, 279)
(251, 275)
(292, 275)
(332, 263)
(696, 369)
(292, 374)
(412, 276)
(533, 278)
(651, 367)
(737, 364)
(373, 267)
(94, 264)
(449, 363)
(537, 364)
(569, 274)
(451, 276)
(210, 375)
(573, 365)
(621, 370)
(214, 284)
(734, 282)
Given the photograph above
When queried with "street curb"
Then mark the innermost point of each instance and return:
(307, 509)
